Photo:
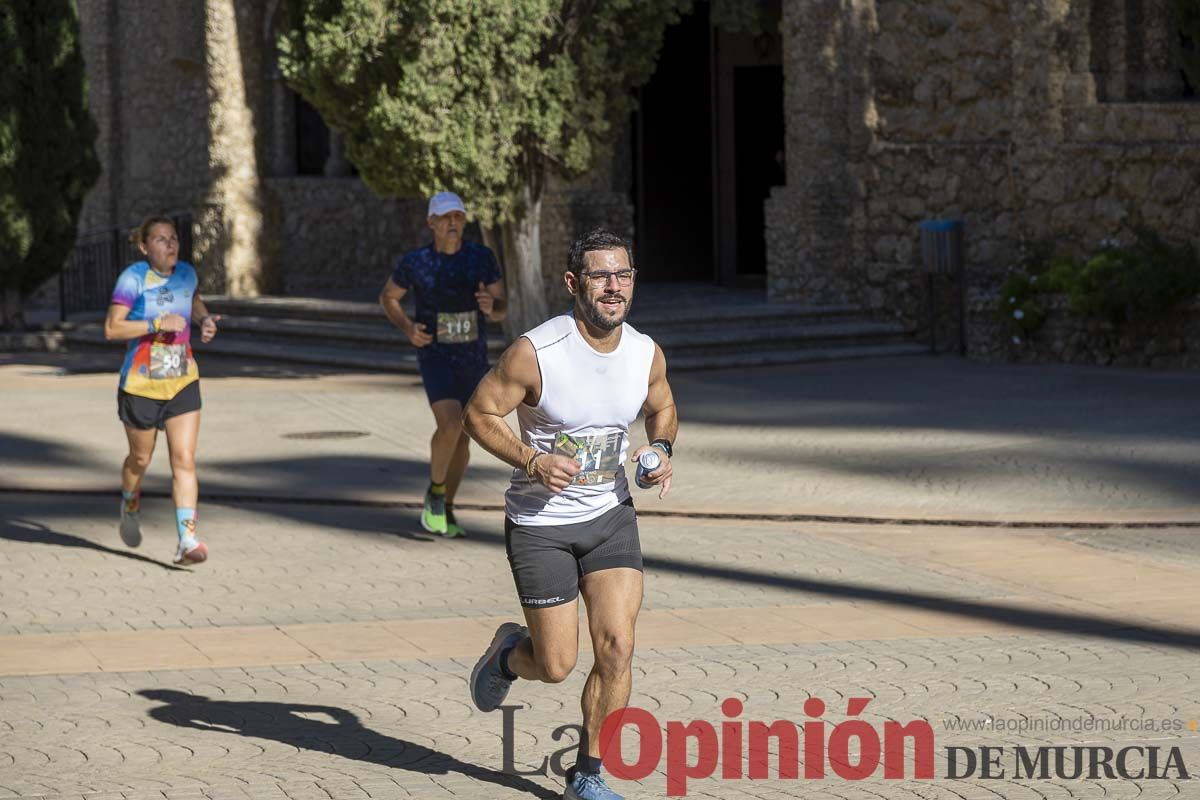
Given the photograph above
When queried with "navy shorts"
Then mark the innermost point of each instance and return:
(446, 381)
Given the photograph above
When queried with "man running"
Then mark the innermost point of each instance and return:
(457, 286)
(576, 383)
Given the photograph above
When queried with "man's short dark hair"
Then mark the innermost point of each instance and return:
(593, 240)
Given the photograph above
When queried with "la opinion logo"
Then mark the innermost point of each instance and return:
(824, 745)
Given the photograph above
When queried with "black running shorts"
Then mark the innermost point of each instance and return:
(548, 560)
(143, 413)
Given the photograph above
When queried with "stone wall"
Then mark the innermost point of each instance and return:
(1019, 118)
(942, 70)
(984, 110)
(158, 123)
(1173, 342)
(337, 237)
(193, 116)
(940, 144)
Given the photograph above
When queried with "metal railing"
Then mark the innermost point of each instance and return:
(87, 281)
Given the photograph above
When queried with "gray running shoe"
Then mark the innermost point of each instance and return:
(589, 787)
(489, 687)
(131, 527)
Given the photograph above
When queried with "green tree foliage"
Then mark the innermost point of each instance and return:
(47, 155)
(482, 97)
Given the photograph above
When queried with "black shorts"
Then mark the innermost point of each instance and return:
(548, 560)
(143, 413)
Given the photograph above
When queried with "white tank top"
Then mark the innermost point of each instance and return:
(588, 401)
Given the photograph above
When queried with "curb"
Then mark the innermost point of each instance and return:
(840, 519)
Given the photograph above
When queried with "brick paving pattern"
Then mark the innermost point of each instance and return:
(323, 652)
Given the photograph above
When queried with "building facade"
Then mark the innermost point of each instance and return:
(799, 160)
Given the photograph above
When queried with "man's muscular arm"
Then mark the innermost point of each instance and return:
(661, 421)
(514, 379)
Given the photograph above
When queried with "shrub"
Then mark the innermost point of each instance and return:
(1141, 282)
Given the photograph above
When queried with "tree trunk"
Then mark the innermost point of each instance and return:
(231, 52)
(519, 247)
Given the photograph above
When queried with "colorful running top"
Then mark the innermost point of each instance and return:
(157, 365)
(443, 288)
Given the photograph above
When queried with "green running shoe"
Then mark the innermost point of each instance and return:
(453, 529)
(433, 516)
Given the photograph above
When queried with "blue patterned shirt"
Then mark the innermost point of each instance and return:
(443, 288)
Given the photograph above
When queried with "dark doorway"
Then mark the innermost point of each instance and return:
(312, 139)
(673, 158)
(758, 157)
(708, 145)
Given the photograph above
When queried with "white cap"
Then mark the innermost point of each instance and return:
(444, 203)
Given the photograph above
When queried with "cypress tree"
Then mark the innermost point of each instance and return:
(481, 97)
(47, 145)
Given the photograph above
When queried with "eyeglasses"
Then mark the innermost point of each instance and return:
(599, 280)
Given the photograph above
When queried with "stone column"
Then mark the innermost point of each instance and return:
(1106, 26)
(1041, 67)
(827, 111)
(97, 19)
(1154, 75)
(336, 166)
(281, 146)
(1081, 88)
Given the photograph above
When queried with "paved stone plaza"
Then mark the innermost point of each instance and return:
(323, 651)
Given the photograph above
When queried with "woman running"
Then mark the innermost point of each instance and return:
(153, 305)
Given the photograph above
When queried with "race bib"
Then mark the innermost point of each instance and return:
(457, 328)
(168, 361)
(598, 457)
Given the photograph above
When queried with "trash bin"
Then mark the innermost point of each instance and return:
(942, 255)
(942, 246)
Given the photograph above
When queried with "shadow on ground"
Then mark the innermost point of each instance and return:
(344, 735)
(17, 450)
(402, 523)
(30, 532)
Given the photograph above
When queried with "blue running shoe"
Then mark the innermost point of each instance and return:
(584, 786)
(489, 687)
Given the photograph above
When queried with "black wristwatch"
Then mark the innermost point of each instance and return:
(664, 445)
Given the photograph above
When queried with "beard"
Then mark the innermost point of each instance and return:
(596, 317)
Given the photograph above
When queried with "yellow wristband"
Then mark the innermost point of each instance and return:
(157, 324)
(529, 464)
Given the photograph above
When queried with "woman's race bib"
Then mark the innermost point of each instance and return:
(457, 328)
(168, 361)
